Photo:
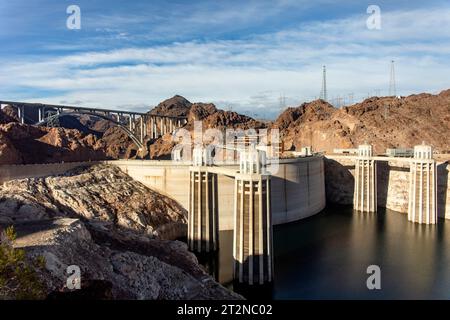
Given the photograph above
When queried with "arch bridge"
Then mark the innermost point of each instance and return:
(136, 125)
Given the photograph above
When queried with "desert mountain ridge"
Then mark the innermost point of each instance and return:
(385, 122)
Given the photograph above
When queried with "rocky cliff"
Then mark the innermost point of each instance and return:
(21, 144)
(211, 118)
(384, 122)
(176, 106)
(113, 228)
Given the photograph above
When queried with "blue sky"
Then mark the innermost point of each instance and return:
(238, 54)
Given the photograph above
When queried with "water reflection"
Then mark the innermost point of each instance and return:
(326, 257)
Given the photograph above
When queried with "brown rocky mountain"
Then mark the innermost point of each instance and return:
(385, 122)
(20, 144)
(199, 111)
(175, 106)
(94, 123)
(24, 144)
(117, 144)
(8, 114)
(211, 117)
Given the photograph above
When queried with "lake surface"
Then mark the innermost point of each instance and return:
(326, 257)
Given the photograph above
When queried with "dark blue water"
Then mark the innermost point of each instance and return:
(326, 257)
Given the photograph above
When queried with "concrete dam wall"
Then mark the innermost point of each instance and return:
(392, 184)
(297, 190)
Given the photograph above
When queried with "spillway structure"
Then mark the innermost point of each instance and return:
(252, 232)
(203, 222)
(365, 191)
(422, 186)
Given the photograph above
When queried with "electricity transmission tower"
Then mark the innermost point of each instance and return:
(350, 98)
(392, 85)
(323, 92)
(282, 102)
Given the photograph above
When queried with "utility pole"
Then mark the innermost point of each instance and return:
(392, 85)
(350, 98)
(377, 92)
(339, 101)
(323, 93)
(282, 101)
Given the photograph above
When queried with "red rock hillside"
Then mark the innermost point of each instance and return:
(211, 117)
(23, 144)
(384, 122)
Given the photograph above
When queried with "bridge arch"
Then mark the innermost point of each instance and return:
(124, 128)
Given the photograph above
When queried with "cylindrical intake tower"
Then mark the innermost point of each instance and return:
(252, 235)
(422, 186)
(203, 226)
(365, 193)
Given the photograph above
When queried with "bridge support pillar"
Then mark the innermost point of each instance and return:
(40, 115)
(252, 234)
(203, 227)
(21, 114)
(422, 187)
(152, 129)
(141, 122)
(365, 193)
(145, 128)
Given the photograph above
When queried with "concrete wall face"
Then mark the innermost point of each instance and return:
(298, 189)
(443, 189)
(392, 184)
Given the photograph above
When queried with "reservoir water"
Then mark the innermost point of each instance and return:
(326, 257)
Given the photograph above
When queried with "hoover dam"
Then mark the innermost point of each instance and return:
(236, 209)
(298, 189)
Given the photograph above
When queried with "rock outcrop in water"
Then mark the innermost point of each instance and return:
(113, 228)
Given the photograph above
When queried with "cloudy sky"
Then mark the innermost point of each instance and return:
(241, 55)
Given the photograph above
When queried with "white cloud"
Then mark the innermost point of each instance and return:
(250, 74)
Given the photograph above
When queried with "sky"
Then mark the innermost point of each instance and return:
(241, 55)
